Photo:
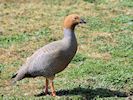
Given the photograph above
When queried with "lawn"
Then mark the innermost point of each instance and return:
(103, 66)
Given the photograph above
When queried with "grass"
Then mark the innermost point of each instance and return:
(6, 41)
(102, 68)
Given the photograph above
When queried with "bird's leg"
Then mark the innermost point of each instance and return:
(53, 93)
(46, 87)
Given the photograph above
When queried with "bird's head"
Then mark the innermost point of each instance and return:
(72, 20)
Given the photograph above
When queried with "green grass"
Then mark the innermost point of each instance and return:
(6, 41)
(102, 69)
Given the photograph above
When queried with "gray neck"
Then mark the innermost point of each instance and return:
(68, 33)
(70, 42)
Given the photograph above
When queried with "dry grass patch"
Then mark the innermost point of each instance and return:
(96, 55)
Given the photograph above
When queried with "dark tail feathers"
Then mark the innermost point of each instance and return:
(13, 76)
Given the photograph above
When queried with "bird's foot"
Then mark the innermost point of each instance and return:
(46, 92)
(53, 94)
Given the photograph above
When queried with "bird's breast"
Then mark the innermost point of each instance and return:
(70, 48)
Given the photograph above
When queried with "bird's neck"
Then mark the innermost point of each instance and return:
(69, 33)
(70, 41)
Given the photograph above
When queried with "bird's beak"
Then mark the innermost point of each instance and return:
(82, 21)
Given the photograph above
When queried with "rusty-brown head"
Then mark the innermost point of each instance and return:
(72, 20)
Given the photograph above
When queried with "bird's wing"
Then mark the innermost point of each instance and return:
(45, 58)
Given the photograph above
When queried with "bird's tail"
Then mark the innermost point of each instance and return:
(13, 81)
(19, 75)
(13, 76)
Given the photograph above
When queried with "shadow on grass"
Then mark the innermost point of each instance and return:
(89, 94)
(92, 93)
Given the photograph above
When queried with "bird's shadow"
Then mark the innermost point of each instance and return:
(89, 94)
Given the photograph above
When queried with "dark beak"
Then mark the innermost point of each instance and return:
(82, 21)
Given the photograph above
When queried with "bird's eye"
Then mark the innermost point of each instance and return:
(75, 18)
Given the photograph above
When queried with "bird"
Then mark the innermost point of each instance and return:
(53, 57)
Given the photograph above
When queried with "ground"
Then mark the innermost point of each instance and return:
(103, 66)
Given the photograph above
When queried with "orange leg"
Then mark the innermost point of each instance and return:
(46, 87)
(53, 93)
